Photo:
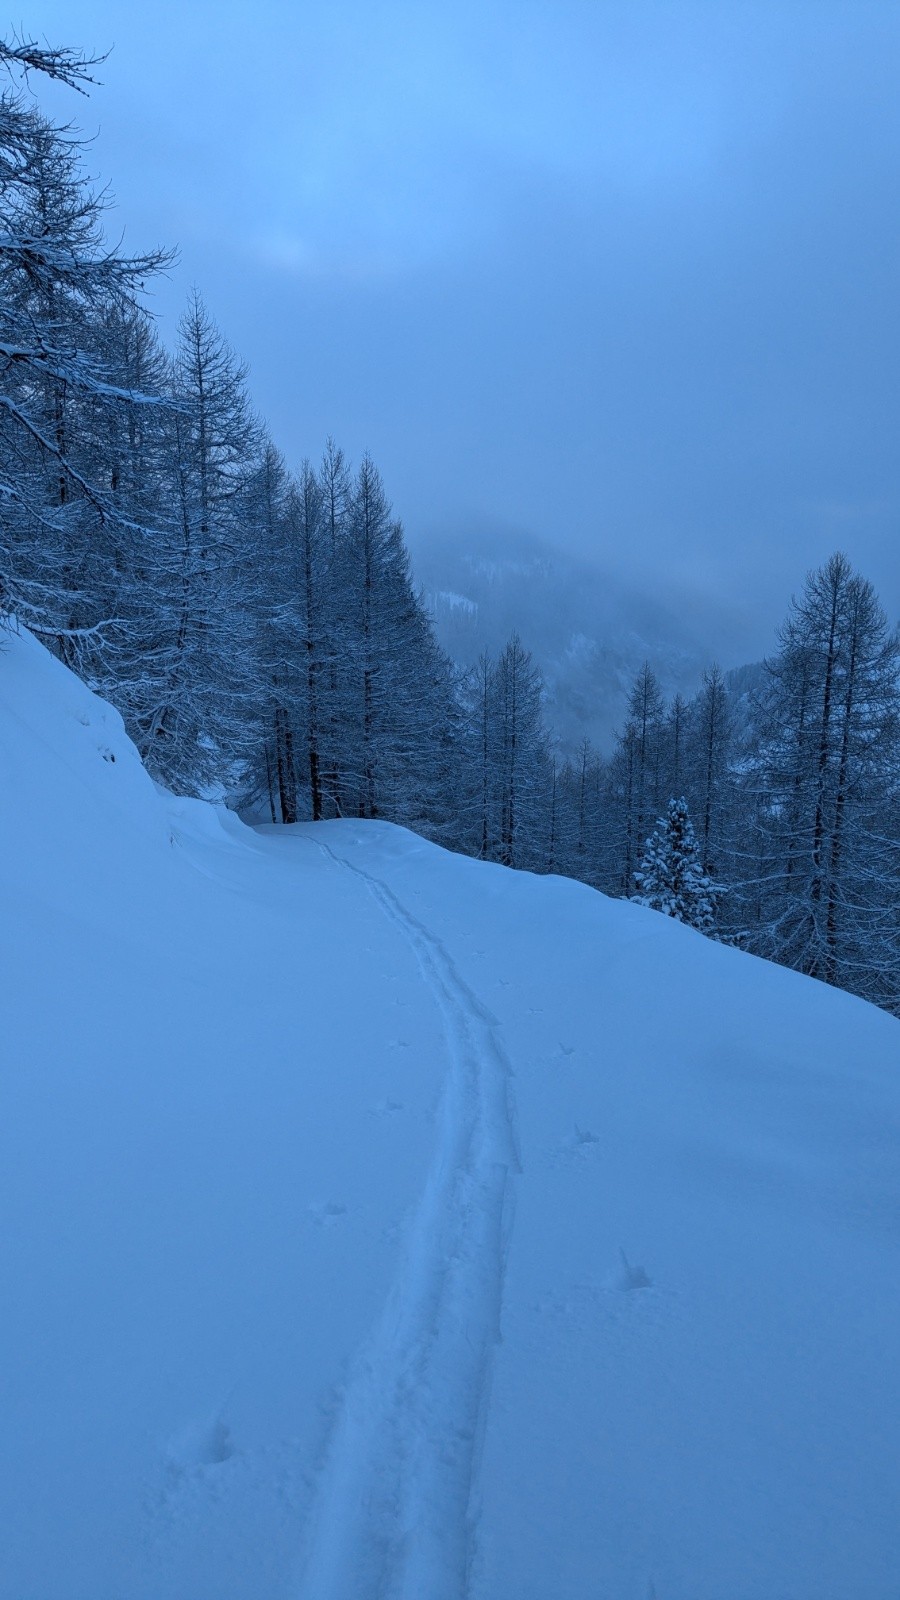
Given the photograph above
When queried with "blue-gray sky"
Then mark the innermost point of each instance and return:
(620, 274)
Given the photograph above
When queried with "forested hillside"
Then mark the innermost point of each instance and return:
(258, 626)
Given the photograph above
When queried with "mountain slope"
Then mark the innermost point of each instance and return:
(588, 631)
(383, 1223)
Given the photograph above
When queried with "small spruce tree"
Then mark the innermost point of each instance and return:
(671, 876)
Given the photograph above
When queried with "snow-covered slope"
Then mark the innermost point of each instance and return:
(380, 1223)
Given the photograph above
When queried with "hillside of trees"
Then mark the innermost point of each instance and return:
(259, 629)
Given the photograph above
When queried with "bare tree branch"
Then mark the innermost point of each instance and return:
(65, 65)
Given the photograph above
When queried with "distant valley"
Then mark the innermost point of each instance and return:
(587, 629)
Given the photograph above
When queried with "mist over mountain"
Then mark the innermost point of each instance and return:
(589, 629)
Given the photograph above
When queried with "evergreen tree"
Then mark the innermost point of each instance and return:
(671, 878)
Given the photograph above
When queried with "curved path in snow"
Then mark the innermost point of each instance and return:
(396, 1505)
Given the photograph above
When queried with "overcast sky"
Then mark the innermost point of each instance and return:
(620, 274)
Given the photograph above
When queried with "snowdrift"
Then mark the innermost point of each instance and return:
(382, 1223)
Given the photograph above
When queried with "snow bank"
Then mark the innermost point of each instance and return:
(378, 1222)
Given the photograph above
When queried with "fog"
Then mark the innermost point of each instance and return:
(617, 278)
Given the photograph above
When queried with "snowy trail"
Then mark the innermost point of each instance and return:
(395, 1513)
(222, 1057)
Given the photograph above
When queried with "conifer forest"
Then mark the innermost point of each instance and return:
(258, 625)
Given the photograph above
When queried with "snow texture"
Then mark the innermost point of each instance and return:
(381, 1223)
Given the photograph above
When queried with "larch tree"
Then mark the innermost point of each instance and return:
(522, 761)
(828, 763)
(675, 737)
(311, 522)
(393, 686)
(712, 743)
(636, 775)
(271, 591)
(205, 730)
(61, 386)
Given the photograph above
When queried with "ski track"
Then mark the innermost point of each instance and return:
(396, 1509)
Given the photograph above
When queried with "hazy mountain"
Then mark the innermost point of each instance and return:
(588, 630)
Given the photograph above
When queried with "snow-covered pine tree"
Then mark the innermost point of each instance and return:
(713, 739)
(580, 834)
(131, 566)
(392, 684)
(63, 392)
(675, 742)
(480, 699)
(580, 843)
(310, 521)
(207, 727)
(334, 486)
(825, 780)
(671, 878)
(272, 592)
(475, 789)
(504, 789)
(522, 759)
(634, 781)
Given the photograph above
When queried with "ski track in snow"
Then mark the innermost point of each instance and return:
(396, 1509)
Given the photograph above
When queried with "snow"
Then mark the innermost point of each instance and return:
(453, 602)
(382, 1223)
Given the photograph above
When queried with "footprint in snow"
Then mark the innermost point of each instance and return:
(200, 1444)
(581, 1145)
(630, 1277)
(387, 1108)
(327, 1214)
